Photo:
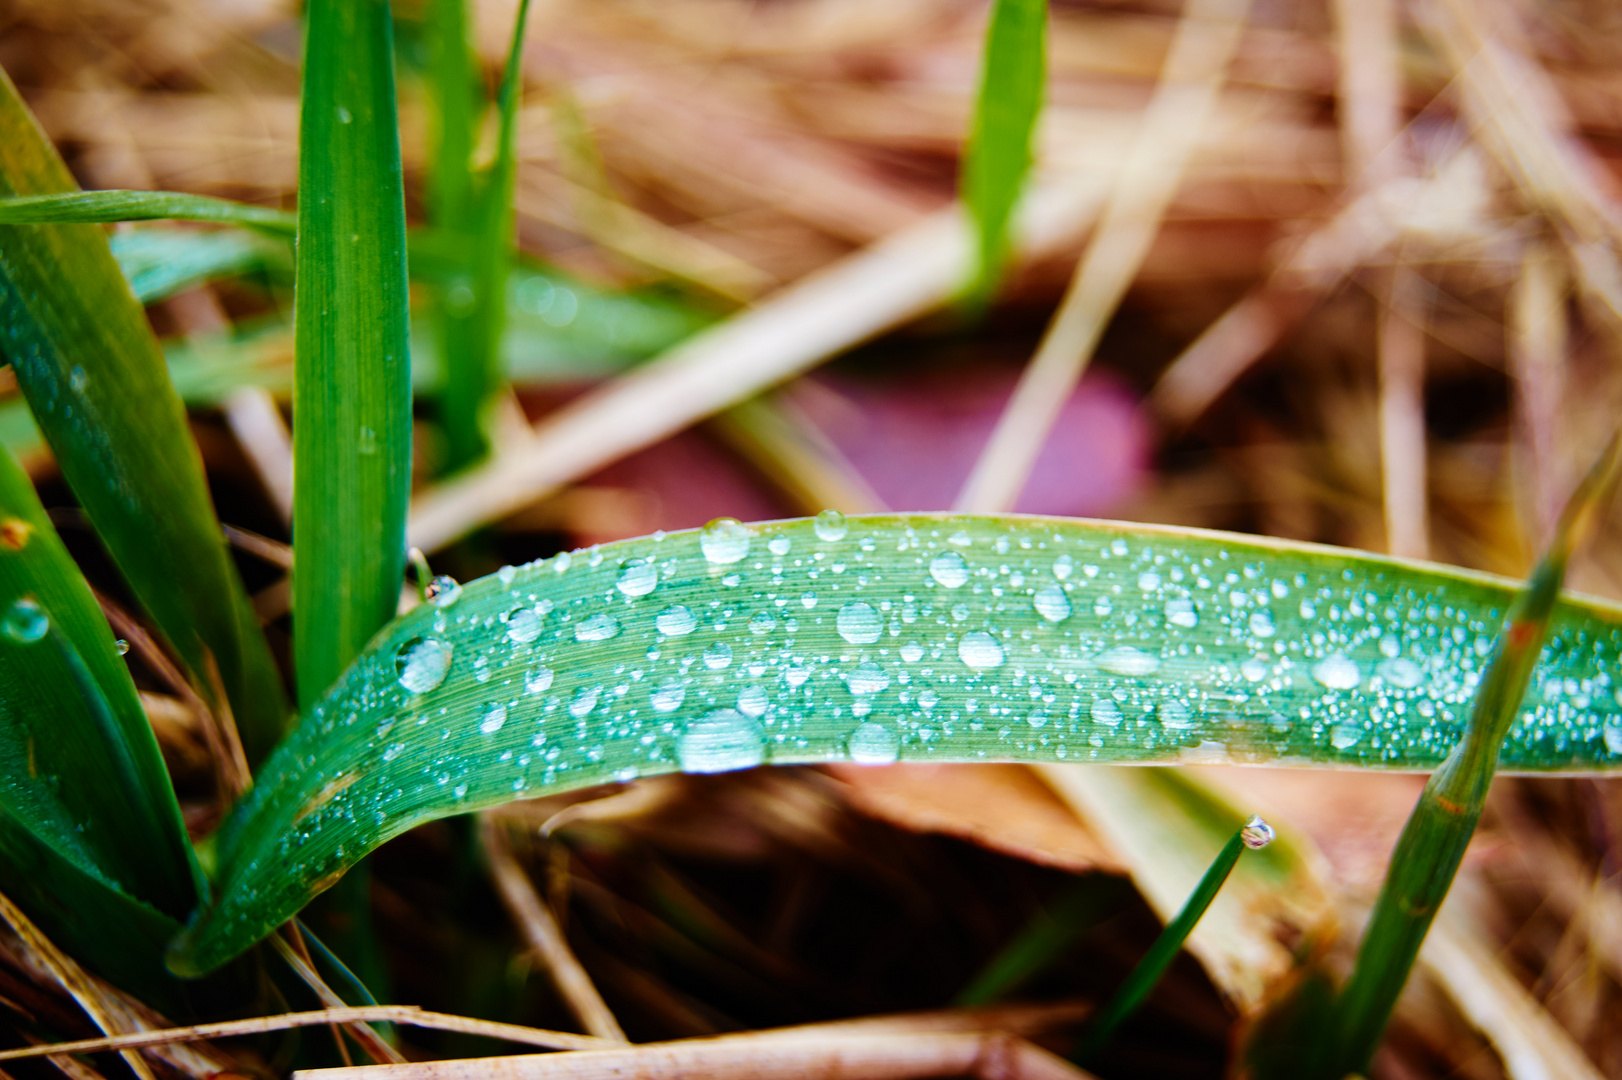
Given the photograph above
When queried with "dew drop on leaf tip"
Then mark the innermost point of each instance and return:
(1256, 833)
(443, 591)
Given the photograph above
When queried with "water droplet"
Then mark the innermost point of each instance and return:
(367, 442)
(1402, 673)
(961, 538)
(1613, 735)
(1119, 546)
(585, 700)
(1344, 736)
(668, 696)
(1390, 647)
(859, 623)
(873, 744)
(599, 627)
(422, 663)
(912, 652)
(25, 622)
(980, 651)
(1051, 603)
(78, 379)
(1182, 613)
(523, 624)
(344, 116)
(725, 541)
(443, 591)
(1261, 624)
(720, 741)
(762, 622)
(1063, 567)
(949, 569)
(868, 678)
(494, 717)
(1148, 581)
(718, 656)
(638, 578)
(928, 699)
(1105, 711)
(1037, 719)
(830, 526)
(779, 545)
(122, 646)
(676, 620)
(537, 680)
(1337, 672)
(1254, 669)
(752, 701)
(1174, 715)
(1256, 833)
(1126, 660)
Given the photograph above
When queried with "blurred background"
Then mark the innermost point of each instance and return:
(1380, 309)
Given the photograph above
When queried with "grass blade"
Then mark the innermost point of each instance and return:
(158, 263)
(94, 377)
(1432, 844)
(1012, 79)
(921, 637)
(69, 207)
(352, 375)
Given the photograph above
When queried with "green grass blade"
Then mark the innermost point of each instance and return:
(69, 207)
(454, 98)
(1046, 938)
(473, 376)
(1012, 77)
(158, 263)
(95, 380)
(912, 637)
(79, 768)
(352, 373)
(1432, 844)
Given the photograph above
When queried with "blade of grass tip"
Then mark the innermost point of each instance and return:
(1013, 75)
(95, 380)
(1432, 844)
(352, 390)
(68, 207)
(1045, 938)
(1253, 835)
(1141, 191)
(473, 379)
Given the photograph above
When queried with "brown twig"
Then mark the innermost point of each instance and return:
(369, 1040)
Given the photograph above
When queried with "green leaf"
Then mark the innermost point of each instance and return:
(352, 370)
(918, 637)
(158, 263)
(80, 772)
(66, 207)
(1012, 76)
(94, 377)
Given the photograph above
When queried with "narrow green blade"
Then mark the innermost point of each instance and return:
(1012, 77)
(79, 768)
(158, 263)
(95, 379)
(916, 637)
(352, 371)
(68, 207)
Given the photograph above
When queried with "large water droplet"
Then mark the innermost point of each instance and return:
(830, 526)
(1126, 660)
(676, 620)
(25, 622)
(523, 625)
(1051, 603)
(912, 652)
(868, 678)
(638, 578)
(668, 696)
(1105, 711)
(1401, 672)
(1612, 733)
(720, 741)
(1337, 672)
(725, 541)
(1261, 624)
(980, 650)
(422, 663)
(1181, 612)
(718, 656)
(1148, 581)
(538, 679)
(1254, 669)
(1256, 833)
(859, 623)
(1345, 736)
(494, 717)
(873, 744)
(599, 627)
(1174, 715)
(949, 569)
(585, 700)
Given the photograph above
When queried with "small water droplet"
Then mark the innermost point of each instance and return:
(1337, 672)
(830, 526)
(1401, 672)
(868, 678)
(675, 620)
(718, 656)
(1063, 567)
(523, 625)
(585, 700)
(1261, 624)
(1256, 833)
(599, 627)
(78, 379)
(779, 545)
(1126, 660)
(752, 701)
(949, 569)
(25, 622)
(344, 116)
(720, 741)
(1344, 736)
(1105, 711)
(1051, 603)
(422, 663)
(1119, 546)
(1181, 612)
(1148, 581)
(638, 578)
(858, 623)
(873, 744)
(762, 622)
(668, 696)
(912, 652)
(980, 651)
(1390, 647)
(494, 717)
(537, 680)
(1174, 715)
(725, 541)
(1253, 669)
(122, 646)
(443, 591)
(1037, 719)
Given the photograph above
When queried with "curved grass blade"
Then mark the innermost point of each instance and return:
(94, 378)
(1012, 77)
(71, 207)
(158, 263)
(914, 637)
(79, 767)
(352, 370)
